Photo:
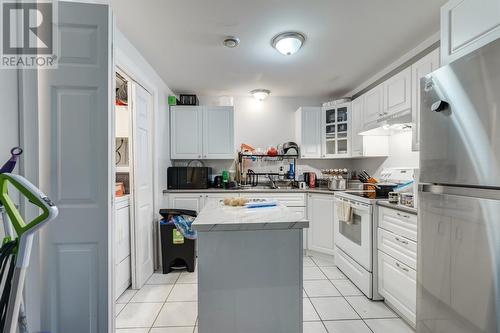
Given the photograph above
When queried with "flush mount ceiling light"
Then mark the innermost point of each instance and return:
(288, 43)
(231, 42)
(260, 94)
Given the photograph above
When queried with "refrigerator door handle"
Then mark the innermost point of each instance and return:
(471, 192)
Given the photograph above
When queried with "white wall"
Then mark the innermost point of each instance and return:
(400, 155)
(9, 117)
(129, 59)
(266, 123)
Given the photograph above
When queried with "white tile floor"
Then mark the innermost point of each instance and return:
(332, 304)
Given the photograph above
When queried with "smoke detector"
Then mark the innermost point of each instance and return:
(231, 42)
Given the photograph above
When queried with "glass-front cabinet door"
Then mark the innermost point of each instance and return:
(336, 128)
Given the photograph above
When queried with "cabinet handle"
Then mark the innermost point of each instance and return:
(401, 267)
(401, 241)
(199, 156)
(401, 215)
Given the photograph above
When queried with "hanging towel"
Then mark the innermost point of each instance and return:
(183, 224)
(345, 212)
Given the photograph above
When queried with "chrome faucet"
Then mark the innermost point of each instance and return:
(273, 184)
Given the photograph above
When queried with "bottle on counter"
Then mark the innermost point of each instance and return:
(281, 173)
(291, 172)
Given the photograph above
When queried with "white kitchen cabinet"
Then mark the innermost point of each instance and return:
(218, 132)
(320, 211)
(373, 107)
(191, 201)
(186, 132)
(122, 245)
(397, 261)
(365, 145)
(308, 131)
(397, 93)
(201, 132)
(421, 68)
(467, 25)
(357, 106)
(336, 131)
(398, 222)
(398, 285)
(218, 197)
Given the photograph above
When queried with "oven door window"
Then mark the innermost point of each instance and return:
(352, 231)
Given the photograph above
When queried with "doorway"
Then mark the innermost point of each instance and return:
(133, 209)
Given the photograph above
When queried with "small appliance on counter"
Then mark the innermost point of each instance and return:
(182, 178)
(185, 99)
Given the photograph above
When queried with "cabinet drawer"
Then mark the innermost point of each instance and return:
(286, 199)
(355, 272)
(398, 247)
(397, 283)
(400, 223)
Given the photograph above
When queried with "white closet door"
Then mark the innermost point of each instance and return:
(143, 184)
(76, 150)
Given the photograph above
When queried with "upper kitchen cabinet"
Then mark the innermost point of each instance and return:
(201, 132)
(336, 131)
(363, 145)
(308, 131)
(467, 25)
(397, 93)
(373, 107)
(357, 126)
(186, 136)
(421, 68)
(218, 132)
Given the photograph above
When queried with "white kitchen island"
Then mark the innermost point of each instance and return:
(249, 269)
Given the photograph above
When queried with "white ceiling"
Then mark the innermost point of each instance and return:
(347, 41)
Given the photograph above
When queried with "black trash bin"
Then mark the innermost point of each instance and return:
(176, 251)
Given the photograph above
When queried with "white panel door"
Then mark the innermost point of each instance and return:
(373, 108)
(397, 93)
(424, 66)
(143, 184)
(76, 168)
(467, 25)
(186, 132)
(218, 132)
(320, 210)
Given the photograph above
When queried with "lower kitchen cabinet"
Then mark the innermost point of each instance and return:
(191, 201)
(397, 261)
(398, 285)
(320, 211)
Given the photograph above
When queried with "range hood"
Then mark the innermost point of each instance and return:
(387, 125)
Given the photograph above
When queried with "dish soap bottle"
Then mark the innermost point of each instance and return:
(291, 172)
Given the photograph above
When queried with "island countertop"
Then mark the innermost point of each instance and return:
(218, 217)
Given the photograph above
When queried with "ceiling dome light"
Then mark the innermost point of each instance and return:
(260, 94)
(288, 43)
(231, 42)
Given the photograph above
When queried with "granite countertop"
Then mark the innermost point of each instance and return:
(255, 190)
(218, 217)
(402, 208)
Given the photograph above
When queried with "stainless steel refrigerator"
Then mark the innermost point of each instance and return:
(458, 279)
